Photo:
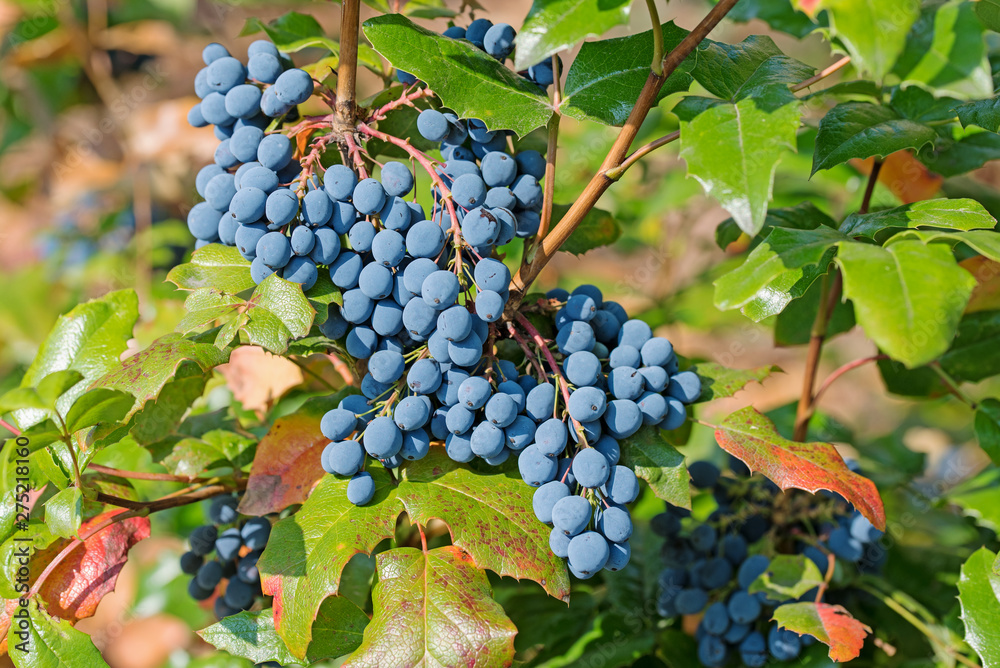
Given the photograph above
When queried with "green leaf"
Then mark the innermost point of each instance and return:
(64, 512)
(48, 642)
(979, 596)
(158, 419)
(21, 398)
(951, 158)
(57, 384)
(873, 31)
(947, 214)
(832, 625)
(323, 293)
(779, 270)
(192, 456)
(804, 216)
(987, 425)
(490, 516)
(608, 72)
(145, 374)
(733, 151)
(984, 113)
(214, 266)
(980, 498)
(307, 551)
(556, 25)
(788, 576)
(467, 80)
(920, 289)
(277, 312)
(863, 130)
(98, 405)
(720, 382)
(291, 32)
(779, 14)
(598, 228)
(793, 326)
(659, 464)
(337, 631)
(988, 12)
(433, 608)
(946, 51)
(206, 305)
(89, 339)
(752, 438)
(737, 71)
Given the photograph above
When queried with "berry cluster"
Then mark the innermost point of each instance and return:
(237, 545)
(498, 41)
(711, 565)
(248, 201)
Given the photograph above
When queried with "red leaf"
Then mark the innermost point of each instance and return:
(287, 464)
(78, 583)
(810, 466)
(832, 625)
(6, 615)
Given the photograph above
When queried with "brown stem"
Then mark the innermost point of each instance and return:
(550, 159)
(600, 182)
(201, 494)
(140, 475)
(347, 71)
(641, 152)
(822, 74)
(829, 297)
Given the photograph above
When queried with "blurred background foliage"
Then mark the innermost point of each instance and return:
(97, 167)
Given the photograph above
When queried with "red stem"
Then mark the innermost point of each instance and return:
(355, 151)
(850, 366)
(9, 427)
(141, 475)
(532, 357)
(406, 100)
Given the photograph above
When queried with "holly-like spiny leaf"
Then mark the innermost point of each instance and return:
(862, 130)
(306, 553)
(555, 25)
(946, 214)
(777, 271)
(287, 462)
(788, 576)
(337, 631)
(832, 625)
(735, 72)
(489, 515)
(921, 290)
(49, 642)
(89, 339)
(79, 582)
(659, 464)
(720, 382)
(434, 608)
(873, 31)
(608, 72)
(752, 438)
(979, 595)
(192, 456)
(214, 266)
(467, 80)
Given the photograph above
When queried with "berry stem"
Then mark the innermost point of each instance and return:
(405, 100)
(532, 357)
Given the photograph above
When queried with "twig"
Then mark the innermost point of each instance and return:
(201, 494)
(822, 74)
(550, 158)
(829, 297)
(141, 475)
(347, 70)
(9, 427)
(850, 366)
(654, 16)
(953, 386)
(600, 182)
(641, 152)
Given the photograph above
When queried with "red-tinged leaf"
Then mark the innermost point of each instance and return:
(832, 625)
(810, 466)
(489, 516)
(6, 615)
(434, 608)
(79, 582)
(307, 551)
(287, 464)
